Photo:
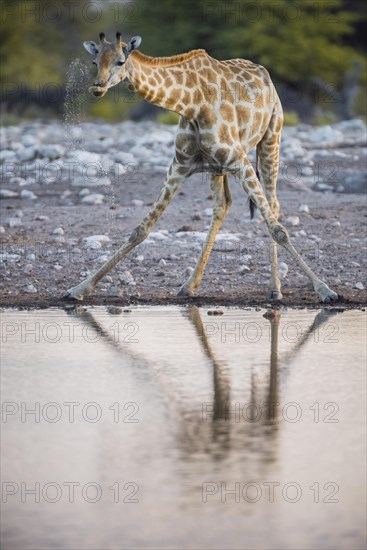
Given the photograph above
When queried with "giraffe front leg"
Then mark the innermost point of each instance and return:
(252, 186)
(222, 201)
(176, 175)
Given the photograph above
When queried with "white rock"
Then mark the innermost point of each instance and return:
(84, 192)
(157, 236)
(28, 269)
(58, 231)
(27, 154)
(126, 278)
(28, 140)
(8, 194)
(359, 286)
(93, 198)
(115, 292)
(292, 221)
(124, 158)
(137, 202)
(26, 194)
(243, 269)
(58, 267)
(140, 258)
(304, 208)
(7, 155)
(51, 152)
(306, 171)
(13, 222)
(2, 229)
(59, 239)
(282, 270)
(31, 257)
(16, 180)
(326, 136)
(208, 212)
(42, 218)
(101, 239)
(31, 289)
(162, 262)
(90, 181)
(188, 271)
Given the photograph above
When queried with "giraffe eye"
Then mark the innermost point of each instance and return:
(119, 63)
(94, 62)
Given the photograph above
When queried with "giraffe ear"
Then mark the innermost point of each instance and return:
(133, 44)
(91, 47)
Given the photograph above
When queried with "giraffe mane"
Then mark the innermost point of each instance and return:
(166, 61)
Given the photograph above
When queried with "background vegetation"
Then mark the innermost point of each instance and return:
(307, 45)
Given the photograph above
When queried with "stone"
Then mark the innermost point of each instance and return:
(137, 202)
(51, 152)
(58, 231)
(93, 198)
(162, 262)
(8, 194)
(292, 221)
(27, 154)
(359, 286)
(188, 271)
(31, 289)
(126, 278)
(28, 268)
(96, 239)
(114, 310)
(124, 158)
(13, 222)
(304, 208)
(115, 292)
(26, 194)
(282, 270)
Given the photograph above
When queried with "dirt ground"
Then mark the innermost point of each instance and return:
(334, 245)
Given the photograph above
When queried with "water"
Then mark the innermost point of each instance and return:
(164, 437)
(78, 78)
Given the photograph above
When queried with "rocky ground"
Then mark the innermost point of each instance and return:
(71, 194)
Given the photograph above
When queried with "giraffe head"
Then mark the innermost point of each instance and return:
(110, 58)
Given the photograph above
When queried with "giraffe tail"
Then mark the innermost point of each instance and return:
(251, 203)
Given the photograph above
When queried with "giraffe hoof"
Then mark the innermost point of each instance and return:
(330, 297)
(326, 294)
(184, 292)
(275, 295)
(72, 295)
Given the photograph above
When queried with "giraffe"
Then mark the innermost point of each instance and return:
(226, 109)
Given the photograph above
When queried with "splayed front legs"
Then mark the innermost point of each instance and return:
(171, 185)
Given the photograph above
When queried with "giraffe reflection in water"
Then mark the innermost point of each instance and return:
(221, 427)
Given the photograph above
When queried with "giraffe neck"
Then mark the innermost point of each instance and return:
(168, 82)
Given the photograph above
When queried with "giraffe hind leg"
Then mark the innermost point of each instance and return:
(251, 185)
(268, 155)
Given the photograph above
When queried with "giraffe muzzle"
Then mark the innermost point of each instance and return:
(97, 91)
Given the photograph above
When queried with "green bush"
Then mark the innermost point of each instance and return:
(169, 117)
(291, 119)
